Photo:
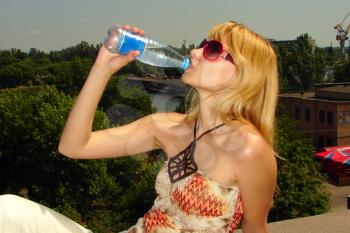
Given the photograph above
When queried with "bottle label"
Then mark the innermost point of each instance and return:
(132, 42)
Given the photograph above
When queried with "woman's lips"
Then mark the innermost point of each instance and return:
(190, 66)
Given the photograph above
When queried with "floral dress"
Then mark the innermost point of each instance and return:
(189, 201)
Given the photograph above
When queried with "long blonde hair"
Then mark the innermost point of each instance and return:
(252, 97)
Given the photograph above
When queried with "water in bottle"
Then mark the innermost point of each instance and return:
(152, 52)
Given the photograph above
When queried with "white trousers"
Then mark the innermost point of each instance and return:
(19, 215)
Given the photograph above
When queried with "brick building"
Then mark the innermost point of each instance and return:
(323, 114)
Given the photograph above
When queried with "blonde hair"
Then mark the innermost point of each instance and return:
(252, 97)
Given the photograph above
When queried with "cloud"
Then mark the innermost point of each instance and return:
(33, 32)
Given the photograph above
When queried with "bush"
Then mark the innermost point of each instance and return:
(301, 187)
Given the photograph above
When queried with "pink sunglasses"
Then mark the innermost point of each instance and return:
(213, 49)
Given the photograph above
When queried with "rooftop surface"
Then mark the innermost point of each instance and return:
(332, 222)
(335, 221)
(337, 89)
(338, 93)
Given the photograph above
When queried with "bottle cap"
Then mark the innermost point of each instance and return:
(185, 63)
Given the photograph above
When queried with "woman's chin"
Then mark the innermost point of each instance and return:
(187, 79)
(187, 72)
(184, 77)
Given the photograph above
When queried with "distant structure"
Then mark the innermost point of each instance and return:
(323, 114)
(342, 34)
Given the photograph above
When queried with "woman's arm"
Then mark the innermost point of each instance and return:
(256, 176)
(78, 140)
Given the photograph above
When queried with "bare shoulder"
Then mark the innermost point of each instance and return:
(250, 146)
(256, 174)
(255, 157)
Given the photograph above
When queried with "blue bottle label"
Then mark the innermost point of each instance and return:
(132, 42)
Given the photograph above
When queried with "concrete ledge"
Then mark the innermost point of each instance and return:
(332, 222)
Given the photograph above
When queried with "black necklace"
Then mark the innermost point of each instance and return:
(183, 164)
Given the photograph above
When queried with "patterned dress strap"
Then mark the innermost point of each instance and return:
(183, 164)
(209, 130)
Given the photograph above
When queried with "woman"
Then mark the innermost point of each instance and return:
(221, 165)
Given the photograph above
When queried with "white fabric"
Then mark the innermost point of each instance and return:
(19, 215)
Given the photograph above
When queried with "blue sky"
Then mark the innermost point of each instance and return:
(54, 25)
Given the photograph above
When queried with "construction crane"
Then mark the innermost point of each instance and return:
(342, 34)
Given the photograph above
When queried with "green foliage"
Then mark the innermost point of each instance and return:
(82, 50)
(104, 195)
(13, 52)
(66, 76)
(342, 71)
(132, 68)
(301, 187)
(32, 119)
(137, 177)
(119, 92)
(301, 65)
(65, 69)
(18, 73)
(7, 60)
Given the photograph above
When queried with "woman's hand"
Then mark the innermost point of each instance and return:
(109, 62)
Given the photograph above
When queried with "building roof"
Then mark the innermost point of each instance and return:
(333, 92)
(338, 89)
(303, 95)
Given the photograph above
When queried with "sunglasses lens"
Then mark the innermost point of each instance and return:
(212, 50)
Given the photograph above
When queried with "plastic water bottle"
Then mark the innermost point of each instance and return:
(152, 52)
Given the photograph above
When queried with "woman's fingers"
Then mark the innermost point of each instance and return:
(138, 30)
(141, 32)
(126, 27)
(135, 30)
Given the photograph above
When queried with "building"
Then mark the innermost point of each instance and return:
(323, 114)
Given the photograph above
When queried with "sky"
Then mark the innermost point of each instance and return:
(54, 25)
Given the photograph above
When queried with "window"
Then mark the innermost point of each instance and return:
(297, 112)
(329, 117)
(329, 141)
(307, 114)
(321, 141)
(321, 116)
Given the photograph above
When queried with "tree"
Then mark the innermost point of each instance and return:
(32, 119)
(342, 71)
(118, 91)
(303, 57)
(104, 195)
(301, 187)
(18, 73)
(83, 50)
(284, 68)
(301, 64)
(66, 76)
